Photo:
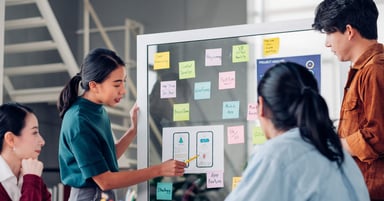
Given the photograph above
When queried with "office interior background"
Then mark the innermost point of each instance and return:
(34, 73)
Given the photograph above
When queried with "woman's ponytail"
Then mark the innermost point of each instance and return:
(68, 95)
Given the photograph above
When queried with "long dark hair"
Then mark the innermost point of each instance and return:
(98, 64)
(291, 93)
(12, 119)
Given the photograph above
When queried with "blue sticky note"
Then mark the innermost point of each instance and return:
(164, 191)
(202, 90)
(231, 109)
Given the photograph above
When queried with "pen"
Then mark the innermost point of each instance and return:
(192, 158)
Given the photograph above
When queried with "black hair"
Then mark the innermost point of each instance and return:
(98, 64)
(334, 15)
(291, 94)
(12, 119)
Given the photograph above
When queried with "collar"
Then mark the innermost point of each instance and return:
(6, 172)
(372, 50)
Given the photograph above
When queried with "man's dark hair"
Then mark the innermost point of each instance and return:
(334, 15)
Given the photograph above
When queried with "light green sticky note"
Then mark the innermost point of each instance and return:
(240, 53)
(258, 136)
(181, 112)
(187, 70)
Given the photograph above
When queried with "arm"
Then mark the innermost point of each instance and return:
(123, 143)
(32, 189)
(367, 143)
(33, 186)
(112, 180)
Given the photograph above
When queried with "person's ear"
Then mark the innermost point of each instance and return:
(260, 107)
(350, 31)
(9, 139)
(92, 85)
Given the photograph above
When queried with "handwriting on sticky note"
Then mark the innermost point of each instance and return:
(202, 90)
(235, 182)
(240, 53)
(161, 61)
(181, 112)
(258, 136)
(164, 191)
(271, 46)
(252, 111)
(215, 179)
(186, 69)
(231, 109)
(227, 80)
(235, 134)
(213, 57)
(168, 89)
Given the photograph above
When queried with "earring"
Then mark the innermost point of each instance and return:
(14, 149)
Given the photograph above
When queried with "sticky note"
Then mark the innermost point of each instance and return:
(168, 89)
(186, 70)
(164, 191)
(213, 57)
(227, 80)
(252, 111)
(235, 182)
(231, 109)
(258, 136)
(215, 179)
(181, 112)
(240, 53)
(271, 46)
(235, 134)
(202, 90)
(161, 61)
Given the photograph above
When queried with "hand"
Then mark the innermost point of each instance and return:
(133, 115)
(31, 166)
(172, 168)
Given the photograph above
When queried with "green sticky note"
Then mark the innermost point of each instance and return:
(187, 70)
(164, 191)
(181, 112)
(240, 53)
(258, 136)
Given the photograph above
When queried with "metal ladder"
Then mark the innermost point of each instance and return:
(54, 43)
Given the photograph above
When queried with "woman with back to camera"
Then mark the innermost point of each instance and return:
(87, 153)
(303, 158)
(20, 145)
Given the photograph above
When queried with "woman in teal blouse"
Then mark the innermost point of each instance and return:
(87, 152)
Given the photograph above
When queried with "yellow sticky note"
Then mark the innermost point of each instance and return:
(161, 61)
(235, 182)
(258, 136)
(240, 53)
(271, 46)
(187, 70)
(181, 112)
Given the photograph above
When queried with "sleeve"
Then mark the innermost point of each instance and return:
(3, 194)
(264, 179)
(367, 143)
(34, 189)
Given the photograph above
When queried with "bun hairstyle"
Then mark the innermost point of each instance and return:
(291, 94)
(12, 119)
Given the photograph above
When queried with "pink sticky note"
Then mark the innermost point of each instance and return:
(215, 179)
(252, 112)
(235, 134)
(213, 57)
(168, 89)
(227, 80)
